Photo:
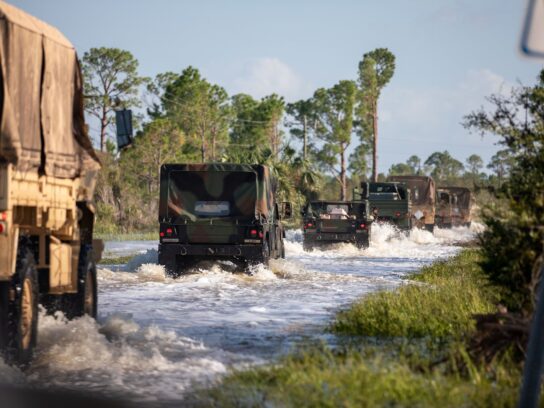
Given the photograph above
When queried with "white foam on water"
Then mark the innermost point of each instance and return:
(157, 335)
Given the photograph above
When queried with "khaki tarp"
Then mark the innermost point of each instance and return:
(422, 188)
(463, 195)
(41, 99)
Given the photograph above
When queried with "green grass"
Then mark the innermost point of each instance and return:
(116, 260)
(132, 236)
(439, 303)
(394, 341)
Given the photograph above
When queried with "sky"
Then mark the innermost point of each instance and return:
(450, 54)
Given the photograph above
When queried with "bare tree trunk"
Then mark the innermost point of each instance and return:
(203, 147)
(305, 135)
(213, 146)
(375, 142)
(103, 126)
(343, 173)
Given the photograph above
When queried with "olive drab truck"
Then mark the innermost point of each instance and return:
(422, 198)
(461, 206)
(390, 203)
(219, 212)
(47, 172)
(329, 222)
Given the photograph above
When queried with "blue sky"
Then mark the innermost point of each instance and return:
(450, 54)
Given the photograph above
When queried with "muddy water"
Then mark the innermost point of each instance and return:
(155, 336)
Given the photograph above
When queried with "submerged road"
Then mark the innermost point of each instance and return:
(156, 337)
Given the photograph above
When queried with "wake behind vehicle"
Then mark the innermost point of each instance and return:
(422, 198)
(47, 175)
(390, 203)
(329, 222)
(219, 212)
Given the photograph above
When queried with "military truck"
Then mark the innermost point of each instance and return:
(219, 211)
(329, 222)
(47, 174)
(422, 197)
(444, 208)
(461, 206)
(390, 203)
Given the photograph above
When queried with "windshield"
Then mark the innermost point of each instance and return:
(207, 194)
(383, 188)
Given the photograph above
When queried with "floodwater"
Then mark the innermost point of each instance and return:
(156, 337)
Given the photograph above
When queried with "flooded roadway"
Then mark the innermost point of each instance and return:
(155, 337)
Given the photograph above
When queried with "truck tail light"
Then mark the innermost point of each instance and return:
(397, 214)
(362, 226)
(3, 228)
(169, 231)
(3, 216)
(309, 225)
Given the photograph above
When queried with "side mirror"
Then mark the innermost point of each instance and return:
(123, 122)
(286, 210)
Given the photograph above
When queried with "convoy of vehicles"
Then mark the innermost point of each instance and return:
(219, 211)
(47, 173)
(461, 206)
(390, 203)
(327, 222)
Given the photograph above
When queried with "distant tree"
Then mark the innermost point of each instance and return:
(110, 81)
(443, 166)
(401, 169)
(358, 161)
(335, 109)
(200, 109)
(270, 112)
(474, 164)
(156, 89)
(415, 163)
(501, 163)
(302, 120)
(375, 71)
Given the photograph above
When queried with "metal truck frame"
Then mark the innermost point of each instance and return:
(390, 203)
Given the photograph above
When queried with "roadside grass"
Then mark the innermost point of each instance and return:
(404, 347)
(116, 260)
(132, 236)
(439, 303)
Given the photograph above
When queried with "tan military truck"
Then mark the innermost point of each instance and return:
(422, 196)
(461, 212)
(47, 172)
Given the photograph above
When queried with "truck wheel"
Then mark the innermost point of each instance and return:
(282, 249)
(84, 302)
(307, 246)
(363, 243)
(19, 310)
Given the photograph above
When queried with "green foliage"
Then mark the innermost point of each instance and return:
(110, 80)
(335, 116)
(440, 304)
(443, 167)
(375, 71)
(512, 244)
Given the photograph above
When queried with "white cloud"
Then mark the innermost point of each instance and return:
(264, 76)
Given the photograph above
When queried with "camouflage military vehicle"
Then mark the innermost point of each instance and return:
(328, 222)
(444, 208)
(390, 203)
(219, 211)
(47, 172)
(422, 197)
(461, 206)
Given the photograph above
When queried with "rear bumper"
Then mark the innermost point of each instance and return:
(168, 253)
(335, 237)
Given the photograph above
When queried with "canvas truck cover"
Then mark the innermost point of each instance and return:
(41, 99)
(422, 188)
(463, 196)
(199, 191)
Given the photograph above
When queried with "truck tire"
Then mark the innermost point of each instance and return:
(430, 228)
(84, 302)
(19, 310)
(363, 243)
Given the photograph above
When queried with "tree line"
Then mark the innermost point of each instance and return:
(182, 117)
